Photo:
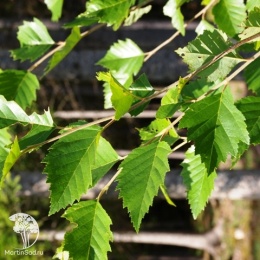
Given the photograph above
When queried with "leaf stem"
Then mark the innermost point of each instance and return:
(106, 187)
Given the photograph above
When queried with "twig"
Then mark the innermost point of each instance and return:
(106, 187)
(166, 42)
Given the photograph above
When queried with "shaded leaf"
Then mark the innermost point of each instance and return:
(55, 6)
(229, 16)
(34, 41)
(203, 49)
(143, 171)
(81, 20)
(198, 181)
(112, 12)
(155, 127)
(250, 108)
(20, 86)
(94, 224)
(11, 113)
(252, 75)
(216, 126)
(70, 43)
(69, 164)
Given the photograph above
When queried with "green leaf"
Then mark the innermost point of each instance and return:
(106, 157)
(198, 182)
(204, 26)
(68, 165)
(173, 10)
(5, 139)
(155, 127)
(112, 12)
(251, 4)
(36, 135)
(19, 86)
(141, 88)
(90, 239)
(70, 43)
(121, 98)
(203, 49)
(252, 76)
(34, 41)
(229, 16)
(143, 171)
(169, 103)
(12, 157)
(250, 108)
(216, 126)
(55, 6)
(136, 14)
(11, 113)
(124, 57)
(252, 25)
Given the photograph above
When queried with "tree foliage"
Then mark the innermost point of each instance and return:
(217, 126)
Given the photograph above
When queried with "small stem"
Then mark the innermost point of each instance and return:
(106, 187)
(180, 145)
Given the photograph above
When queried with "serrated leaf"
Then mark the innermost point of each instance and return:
(155, 127)
(68, 165)
(143, 171)
(93, 223)
(34, 40)
(112, 12)
(216, 126)
(198, 181)
(136, 14)
(252, 25)
(250, 108)
(105, 158)
(229, 16)
(13, 155)
(121, 98)
(203, 49)
(36, 135)
(252, 75)
(5, 139)
(173, 10)
(19, 86)
(11, 113)
(251, 4)
(70, 43)
(55, 6)
(124, 57)
(140, 88)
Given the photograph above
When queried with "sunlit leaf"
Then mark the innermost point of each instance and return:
(55, 6)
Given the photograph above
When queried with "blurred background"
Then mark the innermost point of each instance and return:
(228, 228)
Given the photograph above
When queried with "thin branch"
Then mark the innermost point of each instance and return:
(166, 42)
(106, 187)
(96, 122)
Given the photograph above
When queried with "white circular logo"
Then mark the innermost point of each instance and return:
(25, 225)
